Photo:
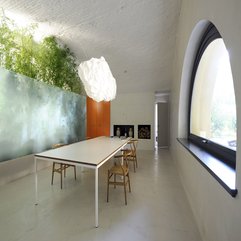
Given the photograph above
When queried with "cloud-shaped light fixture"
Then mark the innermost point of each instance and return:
(98, 80)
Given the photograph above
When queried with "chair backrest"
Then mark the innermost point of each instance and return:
(121, 161)
(133, 145)
(57, 145)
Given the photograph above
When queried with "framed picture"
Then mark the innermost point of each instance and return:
(144, 131)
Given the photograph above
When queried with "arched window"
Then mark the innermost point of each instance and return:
(212, 106)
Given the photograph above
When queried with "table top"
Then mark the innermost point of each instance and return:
(91, 152)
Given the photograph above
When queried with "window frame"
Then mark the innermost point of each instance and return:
(225, 154)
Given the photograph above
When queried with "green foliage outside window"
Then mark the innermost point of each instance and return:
(46, 61)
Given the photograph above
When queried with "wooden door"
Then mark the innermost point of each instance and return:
(98, 118)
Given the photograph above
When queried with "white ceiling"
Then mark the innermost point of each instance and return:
(136, 37)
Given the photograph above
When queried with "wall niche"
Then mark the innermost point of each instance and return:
(124, 130)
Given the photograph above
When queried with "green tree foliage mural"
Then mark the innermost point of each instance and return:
(47, 61)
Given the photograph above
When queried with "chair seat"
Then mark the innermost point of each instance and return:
(119, 170)
(60, 167)
(129, 154)
(125, 153)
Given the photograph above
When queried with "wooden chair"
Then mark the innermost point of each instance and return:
(120, 171)
(61, 167)
(130, 153)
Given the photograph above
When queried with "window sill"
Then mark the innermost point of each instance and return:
(224, 174)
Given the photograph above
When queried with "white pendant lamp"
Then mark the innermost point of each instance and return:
(98, 80)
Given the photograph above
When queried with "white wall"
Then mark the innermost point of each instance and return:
(218, 215)
(134, 109)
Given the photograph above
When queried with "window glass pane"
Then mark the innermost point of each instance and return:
(213, 107)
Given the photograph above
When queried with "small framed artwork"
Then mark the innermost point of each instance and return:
(144, 131)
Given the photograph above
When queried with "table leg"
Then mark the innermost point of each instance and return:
(96, 199)
(36, 181)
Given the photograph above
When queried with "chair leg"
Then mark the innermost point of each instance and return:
(75, 172)
(53, 167)
(134, 165)
(125, 190)
(125, 181)
(114, 180)
(136, 161)
(64, 166)
(129, 183)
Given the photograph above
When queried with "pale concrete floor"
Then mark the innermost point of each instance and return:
(157, 206)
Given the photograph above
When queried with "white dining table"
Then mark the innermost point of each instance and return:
(91, 153)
